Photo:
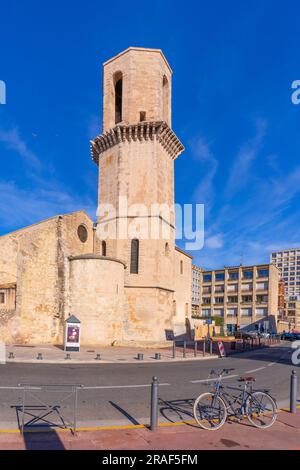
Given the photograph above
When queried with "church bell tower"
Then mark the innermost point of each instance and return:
(135, 154)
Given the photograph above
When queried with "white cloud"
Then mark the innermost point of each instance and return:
(208, 167)
(20, 207)
(46, 197)
(13, 141)
(215, 241)
(241, 169)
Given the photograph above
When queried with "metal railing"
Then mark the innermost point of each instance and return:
(195, 348)
(35, 392)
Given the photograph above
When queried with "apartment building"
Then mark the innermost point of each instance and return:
(288, 264)
(289, 319)
(196, 279)
(244, 296)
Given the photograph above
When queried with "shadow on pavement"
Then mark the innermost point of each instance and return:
(124, 413)
(279, 354)
(177, 410)
(46, 440)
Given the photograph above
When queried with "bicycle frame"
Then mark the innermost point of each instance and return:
(240, 399)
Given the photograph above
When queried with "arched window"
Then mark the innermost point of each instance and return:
(118, 79)
(165, 99)
(167, 249)
(181, 267)
(103, 248)
(134, 256)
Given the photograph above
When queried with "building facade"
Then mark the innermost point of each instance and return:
(196, 296)
(289, 317)
(242, 296)
(288, 264)
(125, 289)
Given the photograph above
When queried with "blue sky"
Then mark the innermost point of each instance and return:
(233, 62)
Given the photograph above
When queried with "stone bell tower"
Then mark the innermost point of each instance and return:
(135, 155)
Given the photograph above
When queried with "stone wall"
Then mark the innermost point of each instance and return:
(34, 258)
(97, 298)
(183, 282)
(149, 315)
(141, 172)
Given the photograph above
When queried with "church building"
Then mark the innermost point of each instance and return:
(132, 289)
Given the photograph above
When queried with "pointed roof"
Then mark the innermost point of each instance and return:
(72, 319)
(141, 49)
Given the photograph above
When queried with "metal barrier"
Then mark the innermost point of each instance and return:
(33, 391)
(195, 347)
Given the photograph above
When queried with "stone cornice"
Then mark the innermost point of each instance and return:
(141, 131)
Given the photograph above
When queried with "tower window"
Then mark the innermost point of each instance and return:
(118, 96)
(142, 116)
(134, 257)
(103, 248)
(167, 249)
(181, 267)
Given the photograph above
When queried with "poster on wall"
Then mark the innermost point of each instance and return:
(73, 334)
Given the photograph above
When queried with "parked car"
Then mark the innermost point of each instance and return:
(296, 336)
(290, 336)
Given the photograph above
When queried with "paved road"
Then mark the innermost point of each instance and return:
(120, 393)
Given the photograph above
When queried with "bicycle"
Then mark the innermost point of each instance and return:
(211, 409)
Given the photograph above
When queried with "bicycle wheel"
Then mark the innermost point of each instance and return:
(261, 410)
(210, 411)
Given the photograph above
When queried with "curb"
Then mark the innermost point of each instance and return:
(103, 361)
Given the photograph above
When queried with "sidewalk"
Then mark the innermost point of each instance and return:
(108, 354)
(284, 434)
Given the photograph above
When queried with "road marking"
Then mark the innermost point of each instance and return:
(212, 380)
(254, 370)
(122, 386)
(9, 388)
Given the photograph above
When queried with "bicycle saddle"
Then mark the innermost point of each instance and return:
(247, 379)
